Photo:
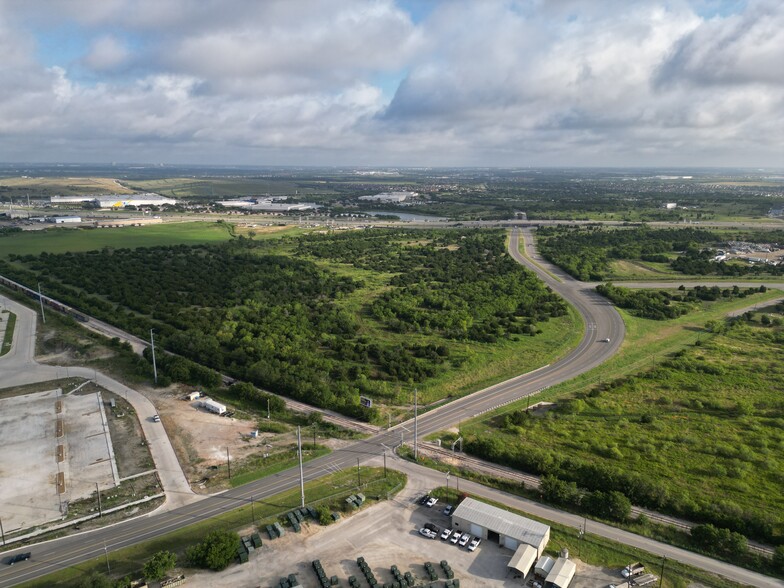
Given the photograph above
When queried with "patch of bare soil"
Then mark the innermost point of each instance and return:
(203, 439)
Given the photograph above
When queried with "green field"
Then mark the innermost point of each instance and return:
(219, 187)
(697, 433)
(62, 240)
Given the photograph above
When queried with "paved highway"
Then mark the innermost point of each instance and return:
(602, 321)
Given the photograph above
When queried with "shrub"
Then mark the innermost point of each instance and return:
(217, 551)
(159, 564)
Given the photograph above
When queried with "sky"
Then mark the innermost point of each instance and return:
(502, 83)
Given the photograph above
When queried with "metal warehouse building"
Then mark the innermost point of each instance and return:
(501, 526)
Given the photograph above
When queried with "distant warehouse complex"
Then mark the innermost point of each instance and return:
(116, 200)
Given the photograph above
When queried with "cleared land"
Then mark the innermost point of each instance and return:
(43, 187)
(219, 187)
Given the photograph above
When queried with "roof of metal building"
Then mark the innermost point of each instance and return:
(523, 558)
(502, 521)
(562, 573)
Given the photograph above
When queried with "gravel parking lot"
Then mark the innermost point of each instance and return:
(385, 535)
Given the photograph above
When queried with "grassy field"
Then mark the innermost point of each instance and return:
(330, 490)
(20, 188)
(701, 422)
(8, 336)
(648, 342)
(218, 187)
(73, 240)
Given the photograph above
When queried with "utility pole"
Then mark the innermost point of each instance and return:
(385, 465)
(416, 428)
(268, 410)
(41, 301)
(447, 484)
(661, 576)
(2, 533)
(106, 553)
(314, 436)
(154, 367)
(228, 462)
(98, 492)
(252, 511)
(359, 478)
(301, 471)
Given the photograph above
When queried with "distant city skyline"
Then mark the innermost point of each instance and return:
(681, 83)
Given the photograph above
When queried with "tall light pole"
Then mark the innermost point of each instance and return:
(416, 427)
(41, 301)
(301, 471)
(152, 346)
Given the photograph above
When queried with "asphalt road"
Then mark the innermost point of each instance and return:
(602, 321)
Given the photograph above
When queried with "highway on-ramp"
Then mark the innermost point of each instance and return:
(601, 322)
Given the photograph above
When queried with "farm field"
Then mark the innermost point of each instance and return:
(18, 188)
(218, 187)
(698, 433)
(76, 240)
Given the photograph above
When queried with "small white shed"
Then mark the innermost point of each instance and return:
(544, 565)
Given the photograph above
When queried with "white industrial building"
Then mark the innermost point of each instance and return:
(120, 200)
(115, 200)
(59, 220)
(501, 526)
(70, 199)
(268, 206)
(561, 575)
(213, 406)
(523, 559)
(389, 196)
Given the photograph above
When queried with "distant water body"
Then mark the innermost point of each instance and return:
(407, 216)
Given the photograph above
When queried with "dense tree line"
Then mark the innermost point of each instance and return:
(652, 304)
(279, 322)
(663, 305)
(586, 253)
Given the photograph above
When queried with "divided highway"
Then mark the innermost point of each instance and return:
(601, 322)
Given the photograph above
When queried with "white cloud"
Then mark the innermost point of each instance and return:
(493, 82)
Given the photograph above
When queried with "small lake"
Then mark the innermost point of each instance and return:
(406, 216)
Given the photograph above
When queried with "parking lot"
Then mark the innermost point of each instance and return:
(385, 534)
(35, 452)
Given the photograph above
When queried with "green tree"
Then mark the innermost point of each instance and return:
(159, 564)
(217, 551)
(778, 558)
(94, 580)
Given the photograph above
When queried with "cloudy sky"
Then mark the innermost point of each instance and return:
(393, 82)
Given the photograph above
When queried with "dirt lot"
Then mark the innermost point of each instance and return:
(201, 438)
(384, 535)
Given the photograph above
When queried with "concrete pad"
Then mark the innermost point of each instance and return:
(39, 471)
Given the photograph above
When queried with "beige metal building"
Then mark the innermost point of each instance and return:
(501, 526)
